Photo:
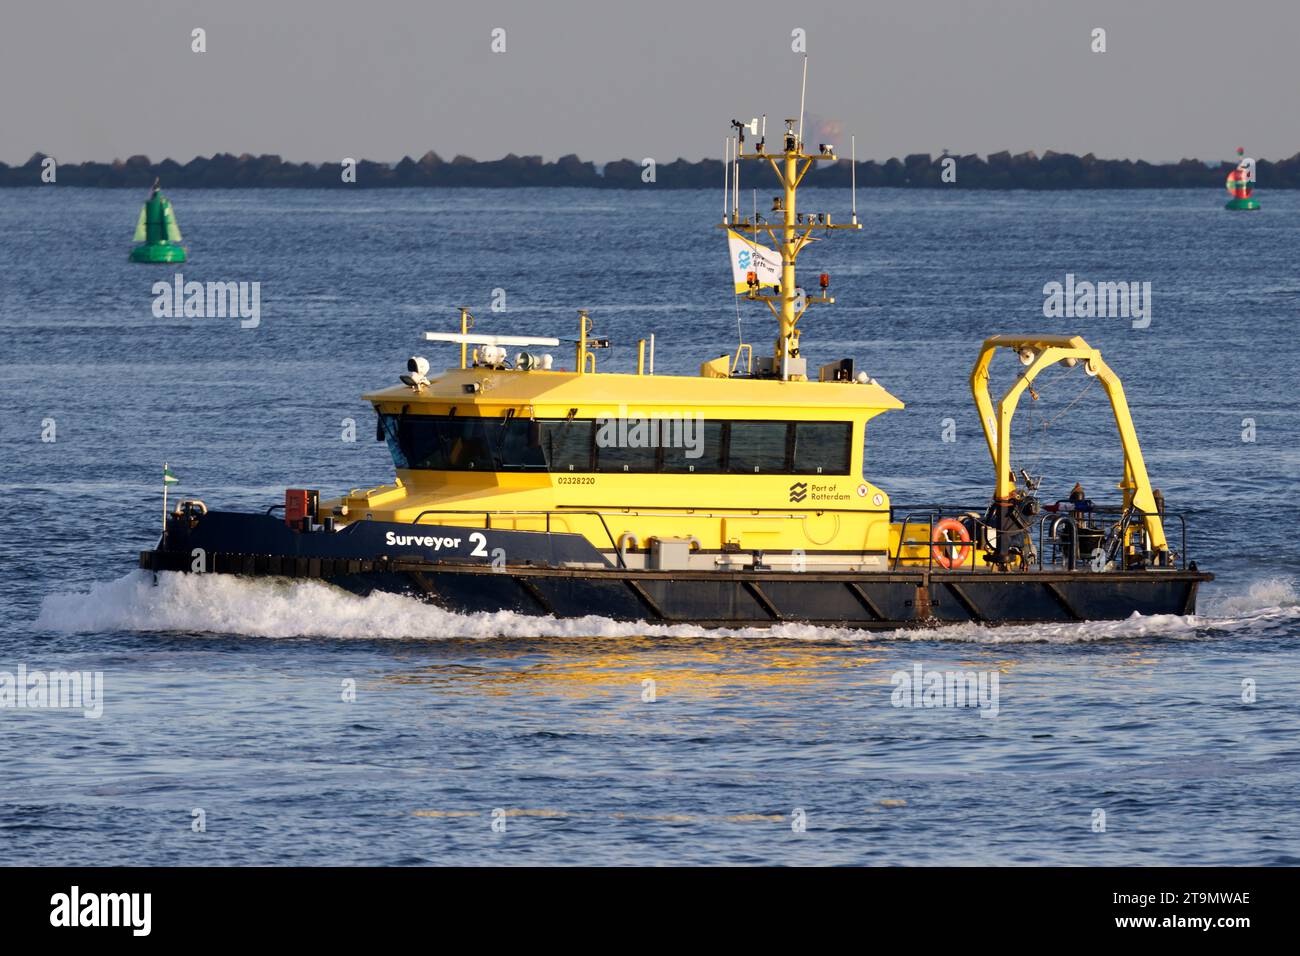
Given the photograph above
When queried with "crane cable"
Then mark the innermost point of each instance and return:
(1039, 430)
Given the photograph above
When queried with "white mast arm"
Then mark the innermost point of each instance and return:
(853, 173)
(463, 339)
(735, 181)
(802, 91)
(726, 177)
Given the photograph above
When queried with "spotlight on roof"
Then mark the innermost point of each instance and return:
(418, 368)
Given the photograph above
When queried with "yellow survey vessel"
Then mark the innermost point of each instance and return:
(535, 481)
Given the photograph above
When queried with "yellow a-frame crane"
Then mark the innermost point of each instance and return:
(1038, 352)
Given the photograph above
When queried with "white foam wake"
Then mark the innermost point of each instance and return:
(1263, 597)
(278, 608)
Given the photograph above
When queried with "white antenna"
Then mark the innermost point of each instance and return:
(763, 134)
(735, 184)
(853, 173)
(740, 331)
(726, 176)
(802, 91)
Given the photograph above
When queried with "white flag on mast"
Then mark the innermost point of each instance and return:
(748, 256)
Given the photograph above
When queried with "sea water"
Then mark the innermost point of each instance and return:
(263, 721)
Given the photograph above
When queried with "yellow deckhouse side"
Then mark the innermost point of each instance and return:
(726, 516)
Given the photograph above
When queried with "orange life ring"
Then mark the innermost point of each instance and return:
(943, 547)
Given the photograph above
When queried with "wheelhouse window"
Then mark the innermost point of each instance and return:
(622, 458)
(567, 445)
(758, 448)
(445, 443)
(463, 443)
(700, 447)
(518, 447)
(822, 448)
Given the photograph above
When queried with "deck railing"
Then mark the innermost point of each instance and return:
(1065, 545)
(1074, 538)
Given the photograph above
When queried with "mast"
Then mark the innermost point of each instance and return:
(791, 234)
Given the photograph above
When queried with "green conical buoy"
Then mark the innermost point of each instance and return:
(157, 232)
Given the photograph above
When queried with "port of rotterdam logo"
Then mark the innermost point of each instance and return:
(802, 491)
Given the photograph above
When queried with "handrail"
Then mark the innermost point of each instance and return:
(928, 515)
(1117, 528)
(931, 514)
(1074, 538)
(902, 540)
(487, 514)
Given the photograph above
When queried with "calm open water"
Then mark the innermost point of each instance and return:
(225, 696)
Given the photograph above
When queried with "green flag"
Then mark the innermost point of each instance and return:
(169, 478)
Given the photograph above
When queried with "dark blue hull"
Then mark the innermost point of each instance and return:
(472, 570)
